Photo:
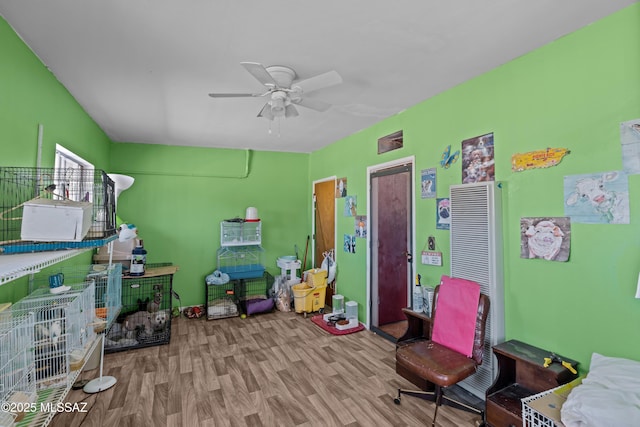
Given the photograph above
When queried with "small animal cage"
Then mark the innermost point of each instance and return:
(108, 288)
(63, 331)
(241, 262)
(17, 375)
(222, 300)
(43, 205)
(239, 233)
(145, 318)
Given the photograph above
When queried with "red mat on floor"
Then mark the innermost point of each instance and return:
(317, 319)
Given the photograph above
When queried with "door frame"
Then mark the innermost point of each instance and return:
(412, 269)
(333, 178)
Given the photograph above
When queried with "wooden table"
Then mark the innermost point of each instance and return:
(155, 272)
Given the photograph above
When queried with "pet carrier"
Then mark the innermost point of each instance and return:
(17, 376)
(41, 205)
(145, 317)
(63, 331)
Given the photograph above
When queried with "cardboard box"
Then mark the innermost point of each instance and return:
(47, 220)
(550, 404)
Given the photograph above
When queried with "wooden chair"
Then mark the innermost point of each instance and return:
(434, 360)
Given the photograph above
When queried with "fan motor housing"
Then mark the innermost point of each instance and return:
(284, 76)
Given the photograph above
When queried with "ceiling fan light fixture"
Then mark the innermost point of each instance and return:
(278, 100)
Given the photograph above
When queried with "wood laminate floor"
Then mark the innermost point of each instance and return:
(275, 369)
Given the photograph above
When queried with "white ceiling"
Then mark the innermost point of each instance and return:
(143, 69)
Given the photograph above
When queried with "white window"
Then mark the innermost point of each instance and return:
(74, 176)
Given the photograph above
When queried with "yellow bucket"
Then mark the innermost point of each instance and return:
(307, 299)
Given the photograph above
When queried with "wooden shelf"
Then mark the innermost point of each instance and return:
(155, 272)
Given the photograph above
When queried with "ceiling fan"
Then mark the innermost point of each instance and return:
(283, 92)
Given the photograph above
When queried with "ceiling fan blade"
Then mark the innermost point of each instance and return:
(314, 104)
(290, 111)
(320, 81)
(235, 95)
(266, 112)
(260, 73)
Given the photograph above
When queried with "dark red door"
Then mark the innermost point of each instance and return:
(391, 243)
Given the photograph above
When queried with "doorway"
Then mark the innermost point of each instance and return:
(324, 197)
(391, 232)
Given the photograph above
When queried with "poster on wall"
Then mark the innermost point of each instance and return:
(545, 238)
(599, 198)
(477, 159)
(350, 205)
(428, 183)
(361, 226)
(630, 141)
(341, 187)
(443, 214)
(350, 243)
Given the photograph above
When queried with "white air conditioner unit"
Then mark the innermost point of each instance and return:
(476, 254)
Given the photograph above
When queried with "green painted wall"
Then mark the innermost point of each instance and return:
(31, 95)
(181, 194)
(571, 93)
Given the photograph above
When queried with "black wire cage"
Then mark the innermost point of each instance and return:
(65, 206)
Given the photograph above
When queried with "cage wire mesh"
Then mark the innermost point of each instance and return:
(145, 317)
(222, 300)
(63, 331)
(107, 280)
(17, 366)
(68, 188)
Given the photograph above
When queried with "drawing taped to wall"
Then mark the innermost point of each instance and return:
(477, 159)
(600, 198)
(341, 187)
(538, 159)
(350, 205)
(630, 141)
(443, 214)
(361, 226)
(545, 238)
(428, 183)
(350, 243)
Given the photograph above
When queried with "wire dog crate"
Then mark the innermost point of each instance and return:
(43, 205)
(254, 294)
(17, 367)
(63, 331)
(145, 318)
(222, 300)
